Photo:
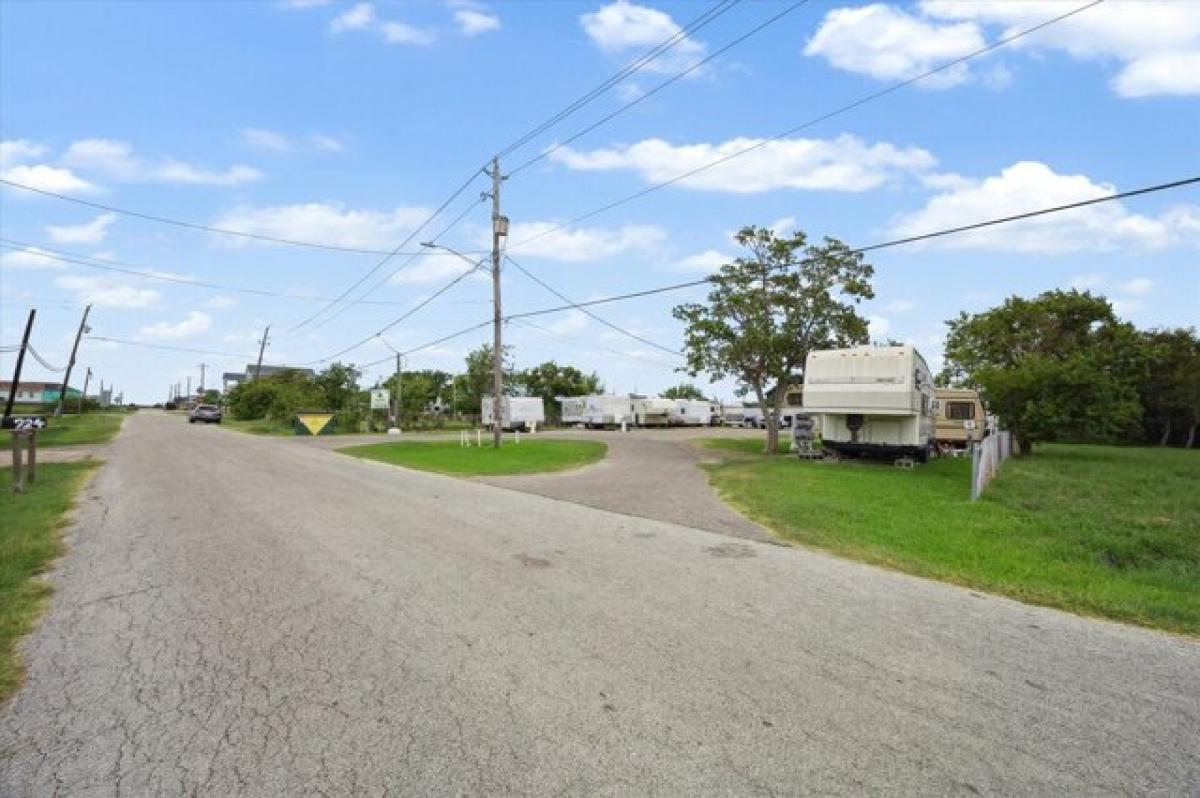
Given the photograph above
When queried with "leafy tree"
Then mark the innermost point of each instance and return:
(684, 390)
(550, 380)
(419, 389)
(1170, 385)
(211, 397)
(769, 309)
(477, 382)
(1060, 366)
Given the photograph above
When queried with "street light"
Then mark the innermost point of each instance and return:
(434, 245)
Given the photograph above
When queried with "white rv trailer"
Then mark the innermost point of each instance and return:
(519, 412)
(652, 411)
(694, 413)
(573, 409)
(740, 414)
(872, 400)
(607, 410)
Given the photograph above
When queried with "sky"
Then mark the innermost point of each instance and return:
(346, 124)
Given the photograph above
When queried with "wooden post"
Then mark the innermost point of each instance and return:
(32, 469)
(18, 479)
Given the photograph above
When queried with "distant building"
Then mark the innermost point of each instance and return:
(232, 379)
(35, 392)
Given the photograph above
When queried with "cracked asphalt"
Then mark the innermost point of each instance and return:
(243, 616)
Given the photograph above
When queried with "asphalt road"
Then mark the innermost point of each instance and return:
(243, 616)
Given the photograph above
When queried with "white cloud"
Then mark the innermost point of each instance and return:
(899, 306)
(327, 143)
(1156, 43)
(30, 258)
(435, 265)
(48, 178)
(117, 160)
(266, 139)
(404, 33)
(473, 21)
(325, 223)
(93, 232)
(220, 302)
(704, 262)
(584, 243)
(15, 151)
(846, 163)
(888, 43)
(357, 17)
(1028, 185)
(106, 293)
(571, 321)
(878, 327)
(1139, 286)
(195, 323)
(622, 28)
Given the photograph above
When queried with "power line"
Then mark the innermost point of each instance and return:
(814, 121)
(642, 98)
(150, 217)
(106, 264)
(598, 318)
(592, 347)
(126, 342)
(437, 212)
(662, 47)
(429, 344)
(42, 360)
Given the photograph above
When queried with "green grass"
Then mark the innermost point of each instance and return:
(259, 426)
(744, 445)
(29, 542)
(1099, 530)
(447, 457)
(71, 430)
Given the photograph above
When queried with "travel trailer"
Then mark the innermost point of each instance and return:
(739, 414)
(872, 400)
(652, 411)
(694, 413)
(607, 410)
(572, 409)
(960, 420)
(519, 412)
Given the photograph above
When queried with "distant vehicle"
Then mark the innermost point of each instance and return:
(209, 414)
(652, 411)
(695, 413)
(872, 400)
(739, 414)
(960, 419)
(518, 413)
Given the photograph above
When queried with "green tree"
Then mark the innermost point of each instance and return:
(477, 381)
(550, 380)
(419, 389)
(1170, 385)
(211, 397)
(768, 310)
(684, 390)
(1060, 366)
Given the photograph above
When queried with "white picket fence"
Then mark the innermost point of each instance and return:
(986, 458)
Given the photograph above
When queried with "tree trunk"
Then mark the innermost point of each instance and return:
(772, 424)
(1191, 439)
(1166, 436)
(780, 398)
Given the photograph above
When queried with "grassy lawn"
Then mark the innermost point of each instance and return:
(1098, 530)
(259, 426)
(29, 542)
(70, 430)
(447, 457)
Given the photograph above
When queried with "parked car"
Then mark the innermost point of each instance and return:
(209, 414)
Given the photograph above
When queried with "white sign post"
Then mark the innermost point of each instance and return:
(380, 399)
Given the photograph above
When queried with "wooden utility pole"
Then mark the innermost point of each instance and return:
(203, 366)
(87, 378)
(16, 380)
(499, 229)
(261, 346)
(62, 392)
(397, 402)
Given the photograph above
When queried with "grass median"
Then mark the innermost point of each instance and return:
(29, 542)
(1099, 530)
(448, 457)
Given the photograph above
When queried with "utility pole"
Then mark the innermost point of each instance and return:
(86, 380)
(203, 366)
(261, 346)
(396, 402)
(499, 230)
(62, 392)
(188, 395)
(16, 380)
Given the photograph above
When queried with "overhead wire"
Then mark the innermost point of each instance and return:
(590, 313)
(805, 125)
(647, 95)
(147, 345)
(591, 347)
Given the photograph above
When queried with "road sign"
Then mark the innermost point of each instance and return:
(380, 398)
(23, 423)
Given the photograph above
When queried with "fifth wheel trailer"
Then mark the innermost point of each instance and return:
(872, 400)
(519, 412)
(607, 410)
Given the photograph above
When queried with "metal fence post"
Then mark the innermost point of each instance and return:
(976, 456)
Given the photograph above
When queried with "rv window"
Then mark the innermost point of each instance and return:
(960, 411)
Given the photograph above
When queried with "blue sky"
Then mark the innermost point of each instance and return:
(345, 123)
